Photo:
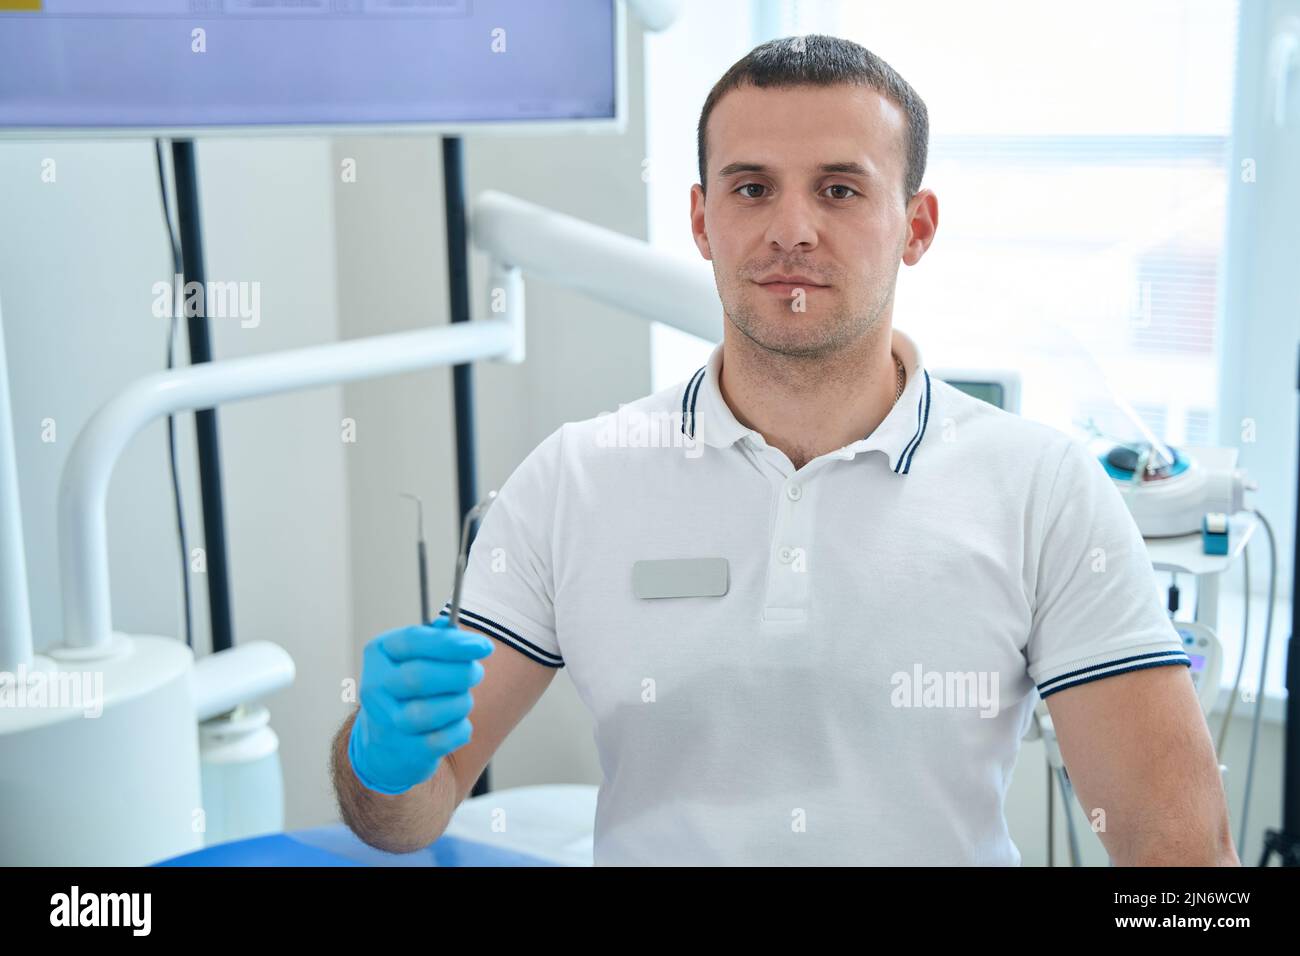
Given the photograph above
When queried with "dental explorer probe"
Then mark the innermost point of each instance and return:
(421, 557)
(463, 557)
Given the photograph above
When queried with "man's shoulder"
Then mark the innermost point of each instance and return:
(654, 418)
(956, 409)
(982, 439)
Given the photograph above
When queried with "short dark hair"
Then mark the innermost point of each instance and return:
(820, 60)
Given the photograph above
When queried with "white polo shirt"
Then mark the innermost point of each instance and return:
(859, 693)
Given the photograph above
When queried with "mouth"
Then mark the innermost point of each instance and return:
(787, 289)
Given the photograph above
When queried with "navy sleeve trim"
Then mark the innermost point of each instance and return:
(506, 636)
(1122, 666)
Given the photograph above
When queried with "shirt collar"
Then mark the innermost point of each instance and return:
(706, 416)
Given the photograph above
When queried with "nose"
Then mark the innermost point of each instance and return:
(793, 222)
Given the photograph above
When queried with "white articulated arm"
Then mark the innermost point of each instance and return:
(83, 542)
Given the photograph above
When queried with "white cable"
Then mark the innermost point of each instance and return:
(1263, 668)
(1241, 662)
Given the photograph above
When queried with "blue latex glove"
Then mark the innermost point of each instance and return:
(415, 696)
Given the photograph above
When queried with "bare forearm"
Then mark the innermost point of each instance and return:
(400, 823)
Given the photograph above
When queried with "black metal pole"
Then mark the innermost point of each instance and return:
(453, 188)
(205, 419)
(1286, 841)
(1291, 780)
(1291, 799)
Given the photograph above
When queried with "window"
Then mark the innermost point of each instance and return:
(1080, 157)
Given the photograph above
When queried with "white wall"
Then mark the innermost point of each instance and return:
(1259, 325)
(78, 259)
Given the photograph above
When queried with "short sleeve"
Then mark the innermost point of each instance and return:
(509, 590)
(1097, 608)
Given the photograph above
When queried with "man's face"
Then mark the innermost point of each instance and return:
(844, 230)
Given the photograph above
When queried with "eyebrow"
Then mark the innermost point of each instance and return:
(855, 169)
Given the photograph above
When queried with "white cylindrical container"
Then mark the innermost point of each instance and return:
(99, 757)
(243, 784)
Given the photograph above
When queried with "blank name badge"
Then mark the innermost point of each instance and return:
(680, 577)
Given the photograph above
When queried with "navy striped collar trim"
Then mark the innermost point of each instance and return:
(902, 461)
(689, 397)
(922, 420)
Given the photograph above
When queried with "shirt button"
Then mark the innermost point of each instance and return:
(786, 555)
(794, 492)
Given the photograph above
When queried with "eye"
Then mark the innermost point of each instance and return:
(842, 186)
(748, 186)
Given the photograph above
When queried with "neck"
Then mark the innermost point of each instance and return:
(808, 406)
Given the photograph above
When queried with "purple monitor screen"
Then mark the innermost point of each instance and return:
(177, 64)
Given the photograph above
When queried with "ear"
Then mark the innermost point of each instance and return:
(697, 222)
(922, 223)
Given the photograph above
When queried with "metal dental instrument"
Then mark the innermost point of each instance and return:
(421, 557)
(463, 557)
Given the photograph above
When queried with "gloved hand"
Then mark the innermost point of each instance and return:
(415, 696)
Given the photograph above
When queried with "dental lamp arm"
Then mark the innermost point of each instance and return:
(629, 274)
(83, 490)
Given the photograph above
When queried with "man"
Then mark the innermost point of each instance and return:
(863, 574)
